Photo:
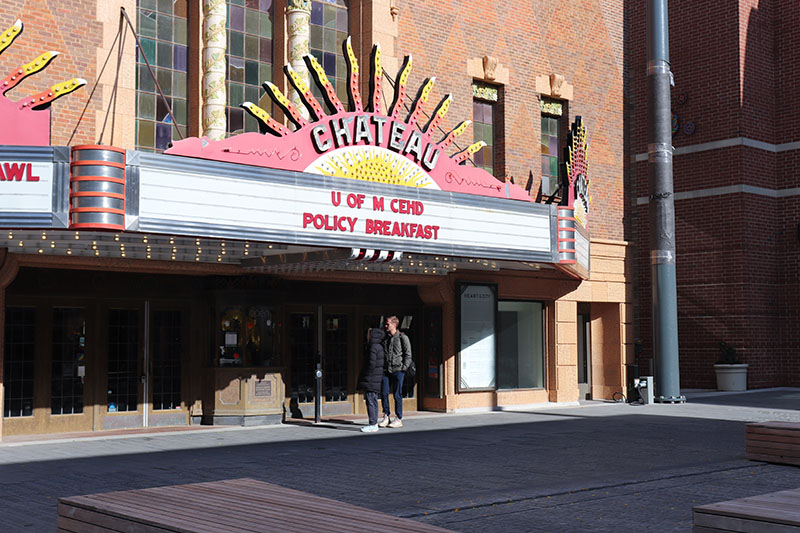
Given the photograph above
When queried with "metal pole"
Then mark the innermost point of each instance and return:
(661, 206)
(318, 395)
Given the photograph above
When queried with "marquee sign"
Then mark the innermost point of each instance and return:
(225, 200)
(361, 144)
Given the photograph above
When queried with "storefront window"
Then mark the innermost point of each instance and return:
(249, 60)
(19, 361)
(520, 345)
(166, 359)
(552, 112)
(248, 337)
(329, 29)
(502, 342)
(123, 360)
(68, 361)
(163, 35)
(477, 325)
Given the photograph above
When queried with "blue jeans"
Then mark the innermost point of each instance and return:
(393, 380)
(372, 406)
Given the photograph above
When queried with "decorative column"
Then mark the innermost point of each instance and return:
(298, 17)
(214, 44)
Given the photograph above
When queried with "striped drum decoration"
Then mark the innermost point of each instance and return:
(97, 187)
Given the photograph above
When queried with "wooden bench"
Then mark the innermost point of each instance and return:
(235, 506)
(776, 512)
(773, 442)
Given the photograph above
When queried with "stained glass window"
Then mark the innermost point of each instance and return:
(329, 29)
(248, 59)
(163, 36)
(550, 146)
(483, 120)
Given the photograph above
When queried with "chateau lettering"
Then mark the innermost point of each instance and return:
(375, 130)
(16, 172)
(373, 226)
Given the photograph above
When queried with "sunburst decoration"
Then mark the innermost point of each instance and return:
(364, 162)
(578, 171)
(44, 98)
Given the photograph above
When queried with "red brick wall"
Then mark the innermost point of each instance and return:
(581, 40)
(736, 76)
(66, 26)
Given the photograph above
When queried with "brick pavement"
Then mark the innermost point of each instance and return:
(606, 467)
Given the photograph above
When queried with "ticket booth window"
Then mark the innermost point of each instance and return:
(248, 337)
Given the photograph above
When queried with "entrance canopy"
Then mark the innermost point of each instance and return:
(105, 202)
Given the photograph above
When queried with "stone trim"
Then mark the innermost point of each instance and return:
(488, 68)
(555, 86)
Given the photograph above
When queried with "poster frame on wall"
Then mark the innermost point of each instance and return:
(461, 288)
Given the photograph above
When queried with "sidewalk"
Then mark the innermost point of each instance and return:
(595, 467)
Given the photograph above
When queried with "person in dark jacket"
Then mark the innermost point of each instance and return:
(372, 376)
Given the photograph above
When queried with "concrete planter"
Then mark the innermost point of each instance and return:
(731, 377)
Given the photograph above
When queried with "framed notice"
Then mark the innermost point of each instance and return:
(478, 306)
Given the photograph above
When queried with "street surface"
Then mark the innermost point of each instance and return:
(597, 467)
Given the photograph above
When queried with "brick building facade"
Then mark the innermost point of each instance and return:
(525, 53)
(735, 101)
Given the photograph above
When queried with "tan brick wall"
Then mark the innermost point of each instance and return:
(581, 40)
(69, 27)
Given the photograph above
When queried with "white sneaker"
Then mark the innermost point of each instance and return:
(369, 429)
(384, 421)
(396, 423)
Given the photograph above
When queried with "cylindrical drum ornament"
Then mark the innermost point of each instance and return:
(97, 188)
(566, 235)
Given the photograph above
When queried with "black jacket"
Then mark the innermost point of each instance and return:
(372, 373)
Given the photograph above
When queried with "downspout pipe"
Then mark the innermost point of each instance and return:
(662, 207)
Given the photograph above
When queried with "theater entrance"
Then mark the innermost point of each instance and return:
(334, 338)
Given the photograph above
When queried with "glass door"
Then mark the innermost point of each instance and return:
(124, 368)
(163, 381)
(584, 357)
(335, 364)
(305, 355)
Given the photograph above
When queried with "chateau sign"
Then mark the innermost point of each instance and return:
(363, 143)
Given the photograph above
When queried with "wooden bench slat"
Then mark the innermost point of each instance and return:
(295, 502)
(774, 511)
(727, 523)
(242, 512)
(243, 505)
(774, 444)
(140, 513)
(189, 513)
(109, 523)
(768, 513)
(760, 437)
(782, 424)
(773, 459)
